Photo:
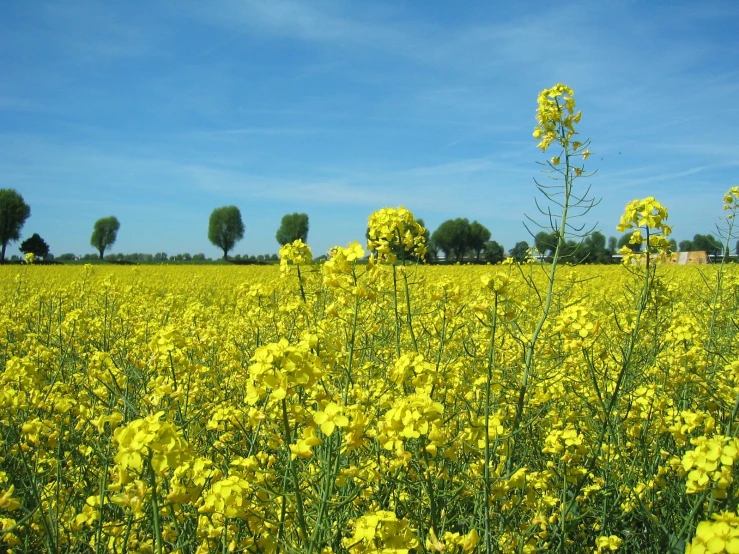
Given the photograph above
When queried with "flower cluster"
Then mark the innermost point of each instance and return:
(381, 532)
(394, 232)
(719, 536)
(297, 253)
(710, 464)
(556, 117)
(152, 439)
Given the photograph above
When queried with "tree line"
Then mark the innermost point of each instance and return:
(457, 240)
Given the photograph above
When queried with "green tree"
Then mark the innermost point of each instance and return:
(594, 249)
(479, 235)
(104, 233)
(709, 244)
(13, 214)
(494, 252)
(545, 242)
(35, 245)
(293, 227)
(520, 251)
(225, 228)
(453, 237)
(624, 241)
(612, 245)
(687, 246)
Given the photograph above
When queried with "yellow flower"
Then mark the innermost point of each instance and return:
(611, 542)
(330, 418)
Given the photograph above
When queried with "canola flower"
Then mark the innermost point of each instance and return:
(375, 408)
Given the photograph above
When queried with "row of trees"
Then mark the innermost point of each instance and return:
(457, 239)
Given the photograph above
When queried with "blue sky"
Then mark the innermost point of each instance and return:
(159, 111)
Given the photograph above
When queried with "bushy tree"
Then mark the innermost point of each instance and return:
(479, 235)
(624, 241)
(687, 246)
(35, 245)
(493, 252)
(709, 244)
(225, 228)
(13, 214)
(453, 238)
(104, 234)
(520, 251)
(293, 227)
(545, 242)
(594, 249)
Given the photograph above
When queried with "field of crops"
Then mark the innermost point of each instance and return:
(380, 407)
(368, 408)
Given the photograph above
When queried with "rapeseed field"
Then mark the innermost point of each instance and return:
(378, 406)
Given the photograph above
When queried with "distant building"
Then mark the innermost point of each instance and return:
(688, 258)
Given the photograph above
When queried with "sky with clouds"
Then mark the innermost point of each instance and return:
(158, 112)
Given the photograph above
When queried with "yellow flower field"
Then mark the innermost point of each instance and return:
(381, 407)
(182, 409)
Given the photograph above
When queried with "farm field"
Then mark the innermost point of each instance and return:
(368, 408)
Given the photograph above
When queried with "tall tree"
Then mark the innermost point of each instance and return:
(225, 228)
(546, 242)
(104, 233)
(594, 249)
(708, 243)
(35, 245)
(520, 251)
(293, 227)
(13, 214)
(479, 235)
(494, 252)
(624, 241)
(453, 237)
(612, 244)
(687, 246)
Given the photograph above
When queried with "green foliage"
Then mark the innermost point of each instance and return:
(708, 243)
(494, 252)
(293, 227)
(479, 235)
(104, 234)
(13, 214)
(624, 241)
(520, 251)
(594, 250)
(35, 245)
(225, 228)
(545, 242)
(453, 238)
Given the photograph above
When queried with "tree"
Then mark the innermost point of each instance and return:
(479, 235)
(104, 233)
(13, 214)
(453, 237)
(624, 241)
(225, 228)
(493, 252)
(35, 245)
(520, 251)
(709, 244)
(594, 249)
(545, 242)
(612, 244)
(687, 246)
(293, 227)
